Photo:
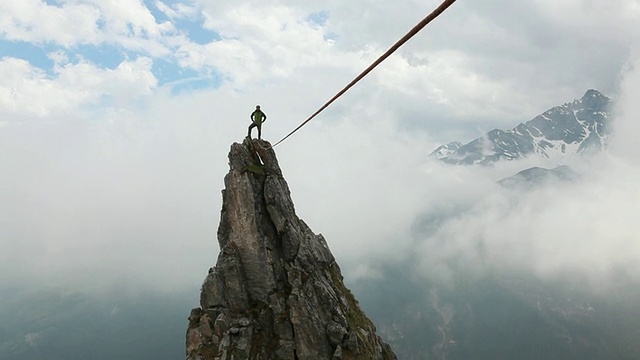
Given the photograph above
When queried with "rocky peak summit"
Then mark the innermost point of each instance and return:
(276, 291)
(578, 127)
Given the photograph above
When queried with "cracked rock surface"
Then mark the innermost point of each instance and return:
(276, 291)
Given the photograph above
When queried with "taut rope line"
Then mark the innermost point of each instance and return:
(434, 14)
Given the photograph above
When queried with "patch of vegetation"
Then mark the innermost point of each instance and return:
(257, 169)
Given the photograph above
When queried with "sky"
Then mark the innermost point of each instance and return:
(116, 118)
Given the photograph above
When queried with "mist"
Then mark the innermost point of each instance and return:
(134, 196)
(582, 232)
(93, 203)
(126, 189)
(114, 142)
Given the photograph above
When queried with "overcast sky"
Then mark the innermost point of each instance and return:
(116, 118)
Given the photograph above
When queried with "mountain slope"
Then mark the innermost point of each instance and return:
(37, 322)
(536, 176)
(578, 127)
(498, 315)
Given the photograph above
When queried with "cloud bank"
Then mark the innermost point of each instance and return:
(109, 174)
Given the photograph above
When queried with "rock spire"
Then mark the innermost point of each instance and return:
(276, 291)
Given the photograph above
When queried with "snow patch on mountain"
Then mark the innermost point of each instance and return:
(574, 128)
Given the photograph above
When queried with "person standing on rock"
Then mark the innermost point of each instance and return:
(257, 118)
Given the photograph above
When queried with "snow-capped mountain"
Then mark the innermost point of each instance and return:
(578, 127)
(444, 151)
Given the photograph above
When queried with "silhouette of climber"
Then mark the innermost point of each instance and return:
(257, 118)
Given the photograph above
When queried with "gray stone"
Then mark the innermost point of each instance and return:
(335, 333)
(352, 342)
(338, 354)
(276, 291)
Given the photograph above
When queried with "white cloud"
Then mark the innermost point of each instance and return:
(128, 17)
(445, 78)
(490, 61)
(177, 11)
(624, 141)
(260, 43)
(145, 176)
(593, 19)
(584, 230)
(473, 63)
(26, 89)
(79, 22)
(350, 180)
(36, 21)
(231, 58)
(128, 196)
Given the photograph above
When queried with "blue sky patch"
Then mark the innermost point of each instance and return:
(181, 79)
(196, 32)
(157, 14)
(110, 55)
(34, 54)
(167, 71)
(331, 36)
(103, 56)
(53, 3)
(193, 27)
(318, 18)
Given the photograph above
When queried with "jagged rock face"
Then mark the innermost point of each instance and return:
(577, 127)
(276, 291)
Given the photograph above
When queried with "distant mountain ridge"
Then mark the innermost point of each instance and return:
(577, 127)
(534, 176)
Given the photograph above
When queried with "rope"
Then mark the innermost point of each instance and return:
(434, 14)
